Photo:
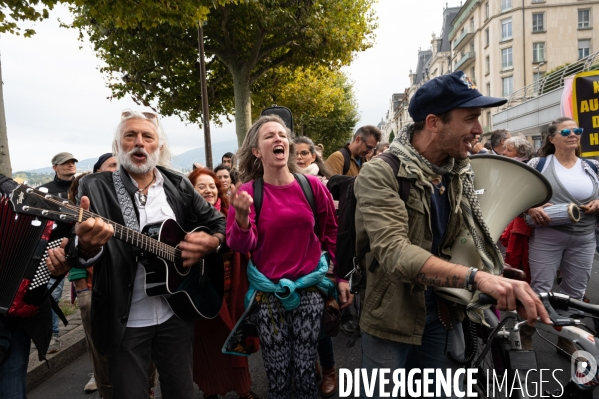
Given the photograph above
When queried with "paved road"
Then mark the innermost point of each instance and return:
(69, 382)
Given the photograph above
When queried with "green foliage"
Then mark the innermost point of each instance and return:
(15, 12)
(146, 14)
(391, 136)
(157, 63)
(321, 100)
(34, 179)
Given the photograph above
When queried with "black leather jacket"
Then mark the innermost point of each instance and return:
(114, 273)
(58, 187)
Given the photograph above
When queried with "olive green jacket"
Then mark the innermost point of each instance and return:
(400, 238)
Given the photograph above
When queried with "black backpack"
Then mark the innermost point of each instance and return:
(342, 189)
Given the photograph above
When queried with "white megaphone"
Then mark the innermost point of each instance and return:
(505, 188)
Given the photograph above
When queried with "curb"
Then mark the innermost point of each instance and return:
(72, 344)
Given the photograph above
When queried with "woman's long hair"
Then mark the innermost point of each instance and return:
(548, 147)
(250, 167)
(323, 170)
(222, 193)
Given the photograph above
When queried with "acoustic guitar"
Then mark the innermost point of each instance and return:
(191, 292)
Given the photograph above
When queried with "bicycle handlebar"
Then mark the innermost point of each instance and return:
(553, 301)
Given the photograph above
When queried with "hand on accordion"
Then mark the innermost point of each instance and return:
(56, 261)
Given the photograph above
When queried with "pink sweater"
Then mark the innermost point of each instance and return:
(284, 245)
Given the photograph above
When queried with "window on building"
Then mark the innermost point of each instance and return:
(508, 86)
(584, 48)
(536, 78)
(538, 22)
(489, 119)
(487, 37)
(489, 89)
(472, 74)
(487, 10)
(506, 58)
(506, 5)
(488, 64)
(584, 18)
(472, 25)
(538, 52)
(506, 29)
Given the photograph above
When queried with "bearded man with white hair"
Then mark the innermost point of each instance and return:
(128, 327)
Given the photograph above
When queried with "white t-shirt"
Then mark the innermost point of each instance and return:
(575, 180)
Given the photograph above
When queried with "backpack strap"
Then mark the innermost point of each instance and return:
(541, 163)
(306, 189)
(258, 194)
(404, 194)
(404, 183)
(591, 164)
(346, 160)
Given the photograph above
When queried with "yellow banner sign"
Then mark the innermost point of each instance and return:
(585, 107)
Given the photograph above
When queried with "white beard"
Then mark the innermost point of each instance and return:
(129, 165)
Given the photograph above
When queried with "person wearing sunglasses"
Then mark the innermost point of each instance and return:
(569, 247)
(349, 159)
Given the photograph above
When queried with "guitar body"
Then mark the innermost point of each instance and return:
(192, 293)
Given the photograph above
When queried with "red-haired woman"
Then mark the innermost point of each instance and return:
(216, 373)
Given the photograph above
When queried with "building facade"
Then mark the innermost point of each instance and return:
(505, 45)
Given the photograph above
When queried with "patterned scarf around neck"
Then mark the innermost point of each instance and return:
(416, 164)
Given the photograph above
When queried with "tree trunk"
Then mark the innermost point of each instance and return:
(243, 105)
(5, 167)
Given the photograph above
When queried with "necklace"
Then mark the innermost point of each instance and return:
(143, 198)
(438, 183)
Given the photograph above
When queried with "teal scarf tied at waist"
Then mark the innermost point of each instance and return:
(285, 289)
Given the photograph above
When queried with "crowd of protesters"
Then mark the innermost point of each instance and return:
(269, 216)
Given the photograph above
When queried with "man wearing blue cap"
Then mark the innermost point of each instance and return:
(405, 325)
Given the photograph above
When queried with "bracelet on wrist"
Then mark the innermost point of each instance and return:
(469, 281)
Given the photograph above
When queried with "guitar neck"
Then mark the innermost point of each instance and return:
(135, 238)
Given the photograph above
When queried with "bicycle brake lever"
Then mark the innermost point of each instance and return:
(557, 319)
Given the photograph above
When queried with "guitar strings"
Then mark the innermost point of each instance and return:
(173, 252)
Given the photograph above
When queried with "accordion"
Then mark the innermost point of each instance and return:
(24, 277)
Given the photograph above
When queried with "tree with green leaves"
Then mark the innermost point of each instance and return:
(321, 100)
(158, 65)
(15, 12)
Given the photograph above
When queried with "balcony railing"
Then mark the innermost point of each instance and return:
(552, 81)
(461, 40)
(464, 13)
(469, 56)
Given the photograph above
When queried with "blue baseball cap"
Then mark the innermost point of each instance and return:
(446, 92)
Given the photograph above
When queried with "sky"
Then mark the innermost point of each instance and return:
(56, 99)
